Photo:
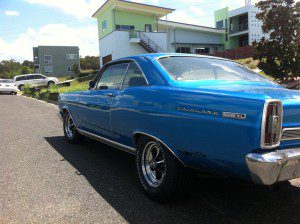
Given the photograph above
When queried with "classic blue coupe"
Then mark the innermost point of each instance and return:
(179, 112)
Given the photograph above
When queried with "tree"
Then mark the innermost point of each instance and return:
(279, 54)
(89, 63)
(75, 69)
(26, 70)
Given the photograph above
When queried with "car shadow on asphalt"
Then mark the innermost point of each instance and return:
(112, 174)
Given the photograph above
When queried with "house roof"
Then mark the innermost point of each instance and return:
(190, 26)
(134, 6)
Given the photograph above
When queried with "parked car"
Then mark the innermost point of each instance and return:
(34, 80)
(7, 86)
(178, 112)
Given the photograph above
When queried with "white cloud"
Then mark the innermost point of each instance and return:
(78, 8)
(11, 13)
(51, 34)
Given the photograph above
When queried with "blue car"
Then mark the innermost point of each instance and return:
(179, 112)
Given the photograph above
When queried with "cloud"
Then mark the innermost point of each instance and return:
(51, 34)
(11, 13)
(79, 8)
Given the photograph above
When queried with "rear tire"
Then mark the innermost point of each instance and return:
(21, 87)
(50, 83)
(161, 175)
(70, 131)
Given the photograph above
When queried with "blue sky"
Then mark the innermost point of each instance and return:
(28, 23)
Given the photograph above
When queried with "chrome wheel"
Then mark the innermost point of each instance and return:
(69, 126)
(153, 164)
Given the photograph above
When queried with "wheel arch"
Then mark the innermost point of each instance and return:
(65, 110)
(136, 135)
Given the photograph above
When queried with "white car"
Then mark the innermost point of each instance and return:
(8, 86)
(34, 80)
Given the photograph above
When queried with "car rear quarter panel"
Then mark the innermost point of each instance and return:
(200, 140)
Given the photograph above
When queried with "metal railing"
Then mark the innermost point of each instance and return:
(239, 28)
(143, 37)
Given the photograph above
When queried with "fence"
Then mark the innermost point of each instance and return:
(237, 53)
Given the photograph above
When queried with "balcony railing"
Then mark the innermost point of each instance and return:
(136, 34)
(239, 28)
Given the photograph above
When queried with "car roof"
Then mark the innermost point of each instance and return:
(153, 56)
(28, 74)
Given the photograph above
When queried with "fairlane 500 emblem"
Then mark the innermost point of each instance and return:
(208, 112)
(234, 115)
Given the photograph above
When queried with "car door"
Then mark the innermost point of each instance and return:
(96, 103)
(39, 80)
(127, 103)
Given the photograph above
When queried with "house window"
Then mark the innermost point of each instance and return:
(71, 56)
(124, 27)
(186, 50)
(219, 24)
(104, 25)
(48, 69)
(70, 69)
(203, 50)
(226, 37)
(226, 23)
(48, 59)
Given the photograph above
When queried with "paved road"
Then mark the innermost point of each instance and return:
(43, 179)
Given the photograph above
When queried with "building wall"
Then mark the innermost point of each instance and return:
(159, 38)
(255, 30)
(60, 63)
(107, 16)
(134, 19)
(222, 15)
(117, 44)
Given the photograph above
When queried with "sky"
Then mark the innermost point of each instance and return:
(28, 23)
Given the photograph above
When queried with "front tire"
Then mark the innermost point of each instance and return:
(50, 83)
(160, 173)
(70, 131)
(21, 87)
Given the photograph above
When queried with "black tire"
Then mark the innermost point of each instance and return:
(21, 87)
(13, 93)
(50, 83)
(71, 133)
(175, 180)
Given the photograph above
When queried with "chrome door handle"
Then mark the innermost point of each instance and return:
(110, 94)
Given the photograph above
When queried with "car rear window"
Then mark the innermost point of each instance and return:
(6, 81)
(181, 68)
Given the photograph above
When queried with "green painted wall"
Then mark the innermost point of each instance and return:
(107, 16)
(222, 14)
(135, 19)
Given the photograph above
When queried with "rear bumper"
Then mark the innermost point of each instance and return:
(272, 167)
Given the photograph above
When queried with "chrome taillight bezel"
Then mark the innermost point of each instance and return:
(278, 104)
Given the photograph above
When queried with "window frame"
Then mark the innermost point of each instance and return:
(147, 83)
(49, 72)
(103, 69)
(49, 62)
(71, 58)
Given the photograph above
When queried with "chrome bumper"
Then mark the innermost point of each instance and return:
(60, 116)
(272, 167)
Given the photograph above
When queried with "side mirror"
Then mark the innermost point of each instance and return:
(92, 84)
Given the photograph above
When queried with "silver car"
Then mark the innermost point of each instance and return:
(34, 80)
(8, 86)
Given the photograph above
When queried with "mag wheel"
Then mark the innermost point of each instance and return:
(161, 175)
(70, 131)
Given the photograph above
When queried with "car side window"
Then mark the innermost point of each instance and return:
(134, 77)
(112, 77)
(30, 77)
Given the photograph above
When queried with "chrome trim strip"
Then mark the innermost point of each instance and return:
(263, 123)
(107, 141)
(160, 141)
(283, 138)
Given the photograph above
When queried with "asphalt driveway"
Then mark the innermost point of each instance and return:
(43, 179)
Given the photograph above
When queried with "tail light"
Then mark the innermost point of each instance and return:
(271, 127)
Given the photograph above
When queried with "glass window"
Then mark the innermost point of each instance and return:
(186, 50)
(48, 59)
(197, 68)
(219, 24)
(124, 27)
(112, 77)
(134, 76)
(104, 25)
(48, 69)
(71, 56)
(203, 50)
(6, 81)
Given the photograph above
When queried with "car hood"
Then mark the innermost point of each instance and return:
(269, 90)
